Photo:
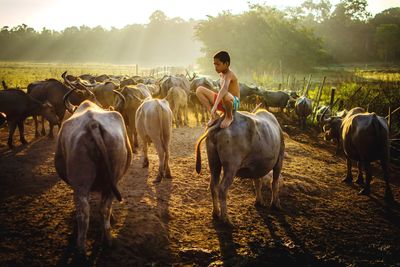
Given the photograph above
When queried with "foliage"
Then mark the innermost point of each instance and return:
(162, 41)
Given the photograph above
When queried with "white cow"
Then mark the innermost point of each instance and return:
(154, 124)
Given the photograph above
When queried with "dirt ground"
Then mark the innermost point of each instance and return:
(323, 222)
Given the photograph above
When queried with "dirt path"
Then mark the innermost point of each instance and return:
(322, 222)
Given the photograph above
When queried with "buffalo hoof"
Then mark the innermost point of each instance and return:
(80, 258)
(107, 240)
(24, 142)
(43, 133)
(259, 203)
(168, 176)
(275, 206)
(360, 181)
(226, 222)
(347, 180)
(50, 136)
(37, 134)
(365, 192)
(215, 215)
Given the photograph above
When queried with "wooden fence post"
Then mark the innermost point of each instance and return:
(319, 94)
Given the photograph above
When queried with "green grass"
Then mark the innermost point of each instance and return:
(20, 74)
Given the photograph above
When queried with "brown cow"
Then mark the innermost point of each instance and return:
(178, 101)
(92, 154)
(154, 124)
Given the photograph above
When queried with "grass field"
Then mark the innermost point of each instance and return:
(380, 84)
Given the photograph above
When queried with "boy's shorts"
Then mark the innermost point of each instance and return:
(221, 107)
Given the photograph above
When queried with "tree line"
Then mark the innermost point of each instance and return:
(312, 34)
(262, 39)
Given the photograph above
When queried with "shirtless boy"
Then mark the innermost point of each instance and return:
(227, 99)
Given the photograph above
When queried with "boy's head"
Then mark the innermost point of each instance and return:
(222, 60)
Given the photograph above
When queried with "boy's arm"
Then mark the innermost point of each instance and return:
(221, 93)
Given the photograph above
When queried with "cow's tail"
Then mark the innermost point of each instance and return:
(198, 152)
(162, 130)
(381, 138)
(95, 130)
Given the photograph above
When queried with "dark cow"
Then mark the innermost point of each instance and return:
(275, 99)
(2, 118)
(365, 138)
(53, 91)
(92, 154)
(249, 95)
(303, 108)
(17, 106)
(250, 147)
(332, 127)
(133, 98)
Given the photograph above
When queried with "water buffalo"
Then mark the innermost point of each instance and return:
(178, 102)
(365, 138)
(53, 91)
(167, 82)
(154, 125)
(133, 98)
(193, 99)
(303, 108)
(250, 147)
(17, 106)
(92, 154)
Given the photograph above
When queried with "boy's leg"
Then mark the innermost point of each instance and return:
(206, 97)
(228, 105)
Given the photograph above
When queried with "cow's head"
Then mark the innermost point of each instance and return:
(332, 128)
(47, 110)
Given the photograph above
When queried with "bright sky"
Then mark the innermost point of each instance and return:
(59, 14)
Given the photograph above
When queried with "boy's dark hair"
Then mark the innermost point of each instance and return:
(223, 56)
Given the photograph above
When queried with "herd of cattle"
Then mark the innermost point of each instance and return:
(101, 117)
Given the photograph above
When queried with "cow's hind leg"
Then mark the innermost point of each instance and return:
(167, 170)
(224, 185)
(257, 188)
(11, 129)
(368, 176)
(185, 110)
(349, 177)
(21, 132)
(106, 201)
(360, 179)
(82, 216)
(43, 129)
(145, 162)
(161, 161)
(35, 120)
(51, 126)
(215, 169)
(275, 202)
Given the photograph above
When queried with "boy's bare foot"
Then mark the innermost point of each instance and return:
(212, 120)
(226, 122)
